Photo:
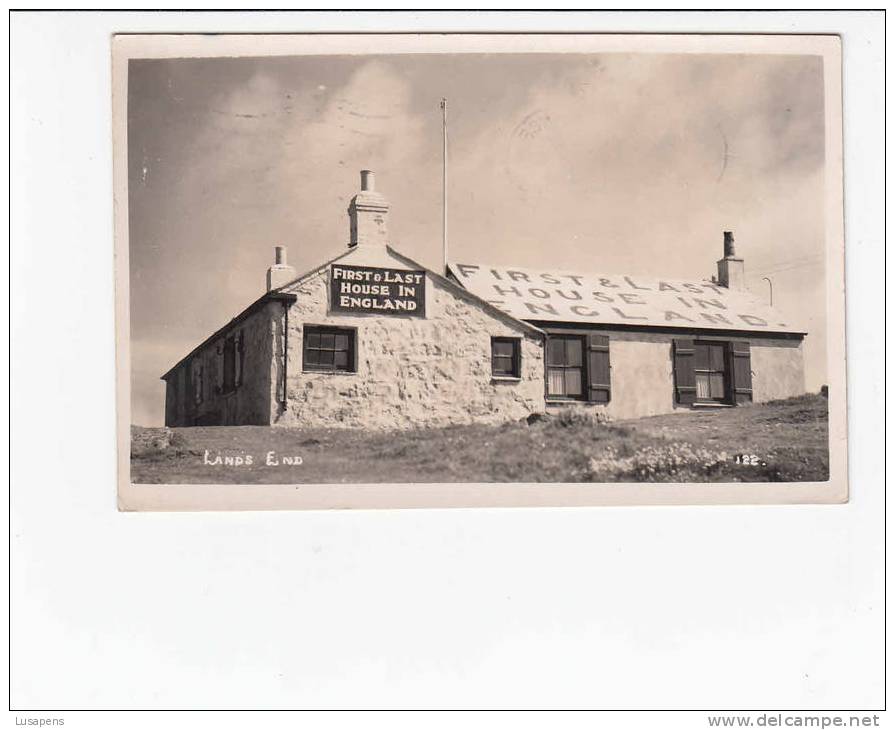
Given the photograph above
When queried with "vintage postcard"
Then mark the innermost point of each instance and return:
(359, 271)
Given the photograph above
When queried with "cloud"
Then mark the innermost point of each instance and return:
(640, 149)
(289, 160)
(621, 162)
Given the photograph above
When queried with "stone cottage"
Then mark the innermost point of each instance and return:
(369, 339)
(664, 344)
(373, 339)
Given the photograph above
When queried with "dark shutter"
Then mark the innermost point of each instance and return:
(684, 375)
(240, 358)
(741, 364)
(599, 385)
(199, 385)
(189, 401)
(219, 369)
(229, 365)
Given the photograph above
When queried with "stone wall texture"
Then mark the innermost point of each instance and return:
(249, 403)
(432, 371)
(410, 371)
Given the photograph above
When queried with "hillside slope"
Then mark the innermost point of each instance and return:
(781, 441)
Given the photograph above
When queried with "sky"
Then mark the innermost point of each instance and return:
(605, 163)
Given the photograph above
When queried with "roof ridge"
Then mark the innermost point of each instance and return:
(308, 274)
(463, 291)
(631, 299)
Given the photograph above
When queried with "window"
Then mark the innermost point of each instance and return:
(229, 364)
(710, 370)
(329, 349)
(233, 357)
(565, 367)
(198, 383)
(505, 358)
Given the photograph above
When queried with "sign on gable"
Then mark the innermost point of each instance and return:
(368, 289)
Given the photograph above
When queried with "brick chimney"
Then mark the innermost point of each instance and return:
(280, 273)
(368, 214)
(731, 269)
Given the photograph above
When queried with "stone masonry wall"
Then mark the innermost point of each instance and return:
(432, 371)
(410, 371)
(249, 403)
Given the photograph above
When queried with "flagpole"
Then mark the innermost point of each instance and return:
(444, 222)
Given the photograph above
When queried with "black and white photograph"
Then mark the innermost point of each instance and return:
(419, 362)
(557, 264)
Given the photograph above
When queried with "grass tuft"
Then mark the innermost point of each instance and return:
(788, 439)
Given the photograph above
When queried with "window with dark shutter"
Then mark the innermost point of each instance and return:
(710, 372)
(598, 369)
(505, 357)
(229, 379)
(198, 384)
(684, 372)
(329, 349)
(741, 364)
(219, 369)
(240, 358)
(565, 367)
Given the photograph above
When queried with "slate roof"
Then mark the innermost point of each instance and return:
(618, 299)
(287, 292)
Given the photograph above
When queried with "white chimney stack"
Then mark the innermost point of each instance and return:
(368, 214)
(280, 273)
(731, 269)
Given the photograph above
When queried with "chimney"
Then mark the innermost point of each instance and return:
(368, 214)
(280, 273)
(731, 269)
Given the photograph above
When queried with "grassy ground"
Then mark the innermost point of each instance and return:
(787, 438)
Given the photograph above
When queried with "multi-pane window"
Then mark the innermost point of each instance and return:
(710, 369)
(505, 357)
(329, 349)
(565, 367)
